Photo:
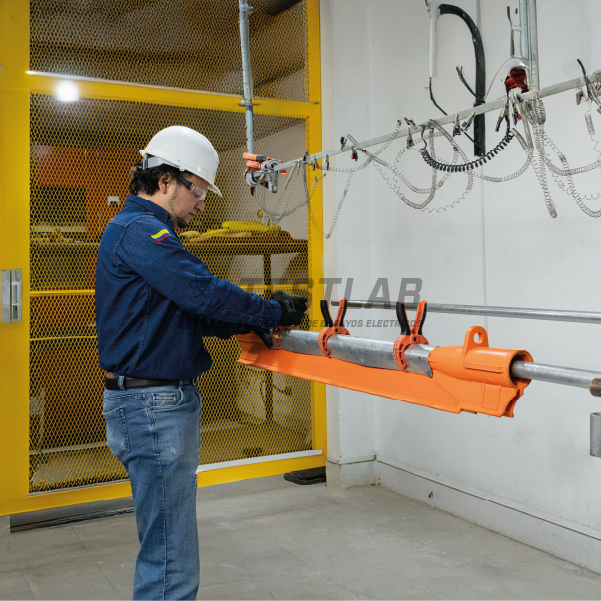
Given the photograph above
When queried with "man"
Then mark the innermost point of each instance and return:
(155, 302)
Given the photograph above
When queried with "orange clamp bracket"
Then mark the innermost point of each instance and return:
(254, 162)
(409, 335)
(471, 377)
(276, 334)
(332, 327)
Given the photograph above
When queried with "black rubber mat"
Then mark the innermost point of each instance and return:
(315, 475)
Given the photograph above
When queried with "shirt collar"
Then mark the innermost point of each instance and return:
(150, 206)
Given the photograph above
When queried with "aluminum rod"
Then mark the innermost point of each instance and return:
(362, 351)
(515, 312)
(247, 101)
(568, 376)
(571, 84)
(524, 37)
(533, 41)
(378, 353)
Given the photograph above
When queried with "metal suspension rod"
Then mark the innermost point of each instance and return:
(247, 80)
(516, 312)
(378, 353)
(533, 43)
(571, 84)
(524, 37)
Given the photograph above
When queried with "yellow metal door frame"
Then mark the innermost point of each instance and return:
(16, 86)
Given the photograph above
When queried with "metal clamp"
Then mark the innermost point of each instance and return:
(260, 170)
(409, 335)
(275, 335)
(332, 327)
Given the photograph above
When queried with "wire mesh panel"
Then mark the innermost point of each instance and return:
(81, 155)
(192, 44)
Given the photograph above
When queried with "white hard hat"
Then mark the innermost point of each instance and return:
(186, 149)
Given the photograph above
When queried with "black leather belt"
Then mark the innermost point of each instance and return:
(128, 383)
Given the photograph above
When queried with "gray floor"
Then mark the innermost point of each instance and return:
(268, 539)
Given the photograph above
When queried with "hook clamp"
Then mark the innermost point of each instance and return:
(409, 335)
(332, 327)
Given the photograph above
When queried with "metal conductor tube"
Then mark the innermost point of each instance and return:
(247, 101)
(534, 82)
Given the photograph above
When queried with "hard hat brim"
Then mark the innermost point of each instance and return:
(213, 187)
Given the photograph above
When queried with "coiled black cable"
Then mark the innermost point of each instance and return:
(472, 164)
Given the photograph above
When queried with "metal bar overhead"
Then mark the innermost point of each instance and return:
(247, 101)
(515, 312)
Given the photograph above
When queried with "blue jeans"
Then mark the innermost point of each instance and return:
(155, 434)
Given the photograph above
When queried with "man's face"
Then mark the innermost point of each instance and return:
(183, 203)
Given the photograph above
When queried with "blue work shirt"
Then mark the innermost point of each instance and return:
(155, 301)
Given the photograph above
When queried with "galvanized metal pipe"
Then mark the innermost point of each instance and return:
(361, 351)
(568, 376)
(534, 82)
(247, 80)
(515, 312)
(378, 353)
(571, 84)
(524, 38)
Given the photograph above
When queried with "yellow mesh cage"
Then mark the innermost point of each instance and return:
(190, 44)
(81, 155)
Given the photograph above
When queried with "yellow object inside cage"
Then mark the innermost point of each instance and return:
(80, 155)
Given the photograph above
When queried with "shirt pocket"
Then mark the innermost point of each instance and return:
(116, 433)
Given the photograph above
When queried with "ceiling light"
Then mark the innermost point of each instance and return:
(67, 91)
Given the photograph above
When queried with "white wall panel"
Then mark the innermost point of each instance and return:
(499, 246)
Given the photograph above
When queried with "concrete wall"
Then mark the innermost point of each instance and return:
(498, 246)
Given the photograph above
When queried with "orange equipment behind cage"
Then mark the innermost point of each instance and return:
(473, 377)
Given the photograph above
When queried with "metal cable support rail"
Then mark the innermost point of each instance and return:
(515, 312)
(571, 84)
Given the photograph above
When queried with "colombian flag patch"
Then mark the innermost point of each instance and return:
(161, 235)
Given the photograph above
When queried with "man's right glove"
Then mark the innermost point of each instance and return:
(293, 308)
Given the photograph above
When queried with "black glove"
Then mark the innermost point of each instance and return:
(263, 334)
(293, 308)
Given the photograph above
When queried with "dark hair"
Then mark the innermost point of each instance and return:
(147, 180)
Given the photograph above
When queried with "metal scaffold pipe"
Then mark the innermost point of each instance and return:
(568, 376)
(571, 84)
(533, 43)
(524, 37)
(515, 312)
(247, 81)
(379, 353)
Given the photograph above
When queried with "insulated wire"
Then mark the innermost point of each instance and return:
(534, 113)
(398, 174)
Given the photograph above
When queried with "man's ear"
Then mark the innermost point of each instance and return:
(164, 182)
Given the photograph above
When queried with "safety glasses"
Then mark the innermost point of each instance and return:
(198, 196)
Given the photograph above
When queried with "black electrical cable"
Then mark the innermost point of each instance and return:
(471, 165)
(444, 112)
(479, 123)
(467, 85)
(434, 101)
